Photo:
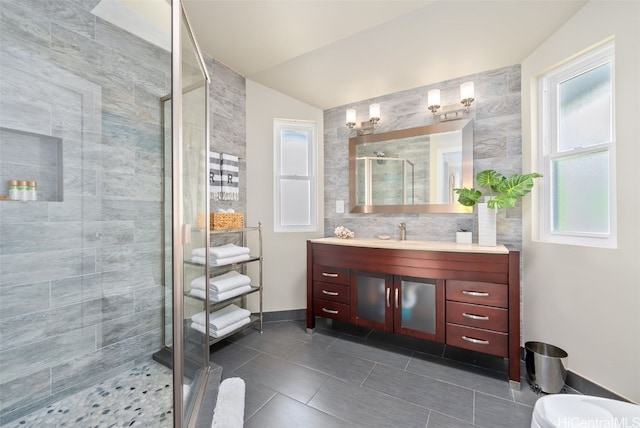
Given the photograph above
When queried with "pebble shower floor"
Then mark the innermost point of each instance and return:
(141, 397)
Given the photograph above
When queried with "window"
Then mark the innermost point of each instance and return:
(295, 177)
(577, 152)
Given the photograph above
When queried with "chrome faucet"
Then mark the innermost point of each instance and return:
(403, 231)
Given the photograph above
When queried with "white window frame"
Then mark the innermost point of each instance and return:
(309, 127)
(548, 85)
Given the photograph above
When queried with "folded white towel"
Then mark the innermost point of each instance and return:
(219, 333)
(221, 283)
(221, 252)
(222, 318)
(219, 297)
(221, 262)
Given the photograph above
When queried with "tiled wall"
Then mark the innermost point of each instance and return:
(496, 145)
(80, 280)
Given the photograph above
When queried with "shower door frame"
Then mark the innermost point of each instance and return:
(178, 225)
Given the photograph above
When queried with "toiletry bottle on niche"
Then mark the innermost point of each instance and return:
(14, 191)
(22, 190)
(32, 194)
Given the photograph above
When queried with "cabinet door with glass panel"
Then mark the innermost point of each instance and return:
(398, 304)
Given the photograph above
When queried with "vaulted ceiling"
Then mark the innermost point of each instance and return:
(334, 52)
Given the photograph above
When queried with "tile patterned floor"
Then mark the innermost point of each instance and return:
(141, 397)
(346, 377)
(340, 376)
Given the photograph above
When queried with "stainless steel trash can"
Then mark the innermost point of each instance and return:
(546, 366)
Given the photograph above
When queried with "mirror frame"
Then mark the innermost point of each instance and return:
(466, 126)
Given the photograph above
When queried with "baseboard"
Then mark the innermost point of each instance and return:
(581, 384)
(291, 315)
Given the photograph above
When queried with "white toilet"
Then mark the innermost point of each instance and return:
(576, 411)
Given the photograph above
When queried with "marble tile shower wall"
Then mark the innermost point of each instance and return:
(80, 293)
(497, 144)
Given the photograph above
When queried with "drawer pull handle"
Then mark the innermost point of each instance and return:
(330, 311)
(475, 341)
(397, 298)
(475, 317)
(330, 293)
(388, 301)
(475, 293)
(330, 275)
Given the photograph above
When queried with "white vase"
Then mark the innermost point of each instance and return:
(486, 225)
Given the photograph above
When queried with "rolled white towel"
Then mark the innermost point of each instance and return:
(222, 251)
(221, 283)
(222, 318)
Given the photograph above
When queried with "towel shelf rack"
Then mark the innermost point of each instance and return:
(239, 236)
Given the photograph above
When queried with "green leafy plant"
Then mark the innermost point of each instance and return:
(503, 191)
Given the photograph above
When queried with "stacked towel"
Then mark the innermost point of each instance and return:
(221, 287)
(221, 255)
(222, 322)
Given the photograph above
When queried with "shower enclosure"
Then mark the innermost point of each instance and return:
(91, 272)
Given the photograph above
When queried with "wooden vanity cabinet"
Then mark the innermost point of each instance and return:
(467, 298)
(398, 304)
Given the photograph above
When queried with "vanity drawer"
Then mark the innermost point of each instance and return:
(475, 339)
(330, 274)
(332, 292)
(486, 317)
(333, 310)
(480, 293)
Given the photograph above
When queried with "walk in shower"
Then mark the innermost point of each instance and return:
(89, 286)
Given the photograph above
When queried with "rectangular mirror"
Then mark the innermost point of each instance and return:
(411, 170)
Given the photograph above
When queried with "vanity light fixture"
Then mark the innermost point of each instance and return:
(374, 113)
(367, 127)
(452, 111)
(433, 100)
(466, 94)
(351, 118)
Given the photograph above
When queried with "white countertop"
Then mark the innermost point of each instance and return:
(413, 245)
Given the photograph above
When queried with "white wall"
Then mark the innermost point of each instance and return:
(587, 300)
(285, 256)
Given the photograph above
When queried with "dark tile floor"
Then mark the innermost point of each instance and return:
(343, 376)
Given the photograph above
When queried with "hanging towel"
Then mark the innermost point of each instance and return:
(230, 178)
(215, 174)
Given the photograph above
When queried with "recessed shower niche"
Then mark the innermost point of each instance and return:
(31, 157)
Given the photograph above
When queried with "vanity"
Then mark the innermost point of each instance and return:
(461, 295)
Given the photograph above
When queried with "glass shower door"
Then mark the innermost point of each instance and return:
(186, 138)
